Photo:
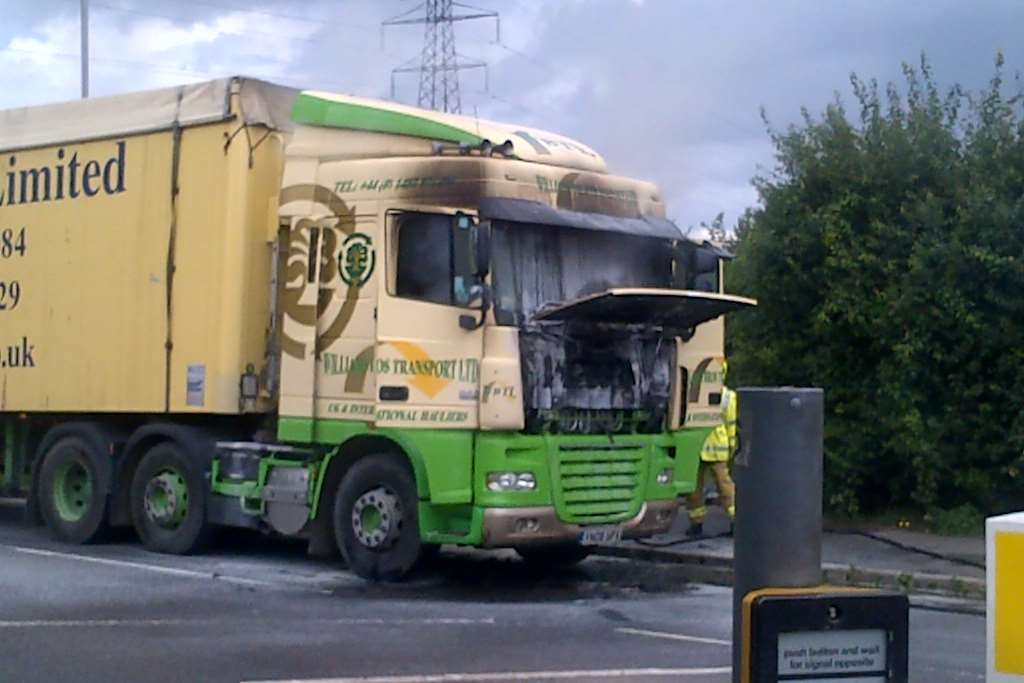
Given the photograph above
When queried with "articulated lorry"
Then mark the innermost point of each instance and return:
(379, 328)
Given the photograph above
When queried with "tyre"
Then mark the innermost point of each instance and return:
(553, 555)
(72, 492)
(168, 501)
(376, 521)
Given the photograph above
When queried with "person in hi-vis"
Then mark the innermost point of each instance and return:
(714, 458)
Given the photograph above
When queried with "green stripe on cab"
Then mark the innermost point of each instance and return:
(316, 111)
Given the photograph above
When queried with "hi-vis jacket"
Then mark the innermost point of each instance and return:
(721, 442)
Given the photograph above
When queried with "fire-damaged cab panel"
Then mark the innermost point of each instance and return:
(667, 308)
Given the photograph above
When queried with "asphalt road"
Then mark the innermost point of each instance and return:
(259, 610)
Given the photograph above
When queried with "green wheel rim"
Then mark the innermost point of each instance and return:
(72, 491)
(371, 518)
(166, 498)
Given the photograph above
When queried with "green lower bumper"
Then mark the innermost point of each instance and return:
(581, 481)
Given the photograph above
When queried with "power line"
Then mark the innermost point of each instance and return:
(125, 62)
(84, 21)
(237, 8)
(197, 72)
(179, 19)
(277, 15)
(522, 107)
(246, 33)
(203, 73)
(519, 53)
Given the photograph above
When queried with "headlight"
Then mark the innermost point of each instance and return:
(511, 481)
(665, 476)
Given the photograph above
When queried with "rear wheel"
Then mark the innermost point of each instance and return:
(72, 497)
(169, 502)
(553, 555)
(376, 522)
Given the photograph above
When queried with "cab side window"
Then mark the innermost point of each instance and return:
(425, 258)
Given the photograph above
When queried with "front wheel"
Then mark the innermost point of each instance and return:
(168, 501)
(376, 522)
(553, 555)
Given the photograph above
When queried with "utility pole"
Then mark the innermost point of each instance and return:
(85, 48)
(439, 62)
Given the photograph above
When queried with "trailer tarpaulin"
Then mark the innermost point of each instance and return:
(98, 118)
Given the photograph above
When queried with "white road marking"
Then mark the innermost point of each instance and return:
(158, 569)
(64, 623)
(428, 621)
(72, 623)
(517, 676)
(673, 636)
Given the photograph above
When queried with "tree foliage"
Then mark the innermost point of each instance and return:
(888, 259)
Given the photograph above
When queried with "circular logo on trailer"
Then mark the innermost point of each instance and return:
(357, 259)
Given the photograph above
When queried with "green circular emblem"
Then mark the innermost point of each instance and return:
(357, 259)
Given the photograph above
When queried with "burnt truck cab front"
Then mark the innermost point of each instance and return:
(602, 321)
(529, 330)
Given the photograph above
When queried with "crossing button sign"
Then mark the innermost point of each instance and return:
(833, 654)
(822, 634)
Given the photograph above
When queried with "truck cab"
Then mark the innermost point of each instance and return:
(507, 313)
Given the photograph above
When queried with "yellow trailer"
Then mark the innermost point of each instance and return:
(139, 265)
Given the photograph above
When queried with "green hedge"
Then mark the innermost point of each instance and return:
(888, 259)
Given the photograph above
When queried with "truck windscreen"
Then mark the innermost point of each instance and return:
(534, 265)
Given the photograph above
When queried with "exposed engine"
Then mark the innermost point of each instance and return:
(594, 379)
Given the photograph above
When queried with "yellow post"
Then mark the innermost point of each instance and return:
(1004, 558)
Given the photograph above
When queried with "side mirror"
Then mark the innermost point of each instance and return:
(472, 264)
(482, 249)
(477, 293)
(472, 246)
(704, 261)
(695, 267)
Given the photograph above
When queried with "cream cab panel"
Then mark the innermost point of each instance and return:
(501, 381)
(700, 363)
(329, 296)
(427, 365)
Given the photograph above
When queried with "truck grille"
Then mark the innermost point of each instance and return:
(599, 483)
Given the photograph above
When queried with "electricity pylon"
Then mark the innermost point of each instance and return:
(439, 62)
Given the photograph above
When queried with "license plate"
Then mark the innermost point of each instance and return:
(595, 535)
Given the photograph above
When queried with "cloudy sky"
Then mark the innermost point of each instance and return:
(668, 90)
